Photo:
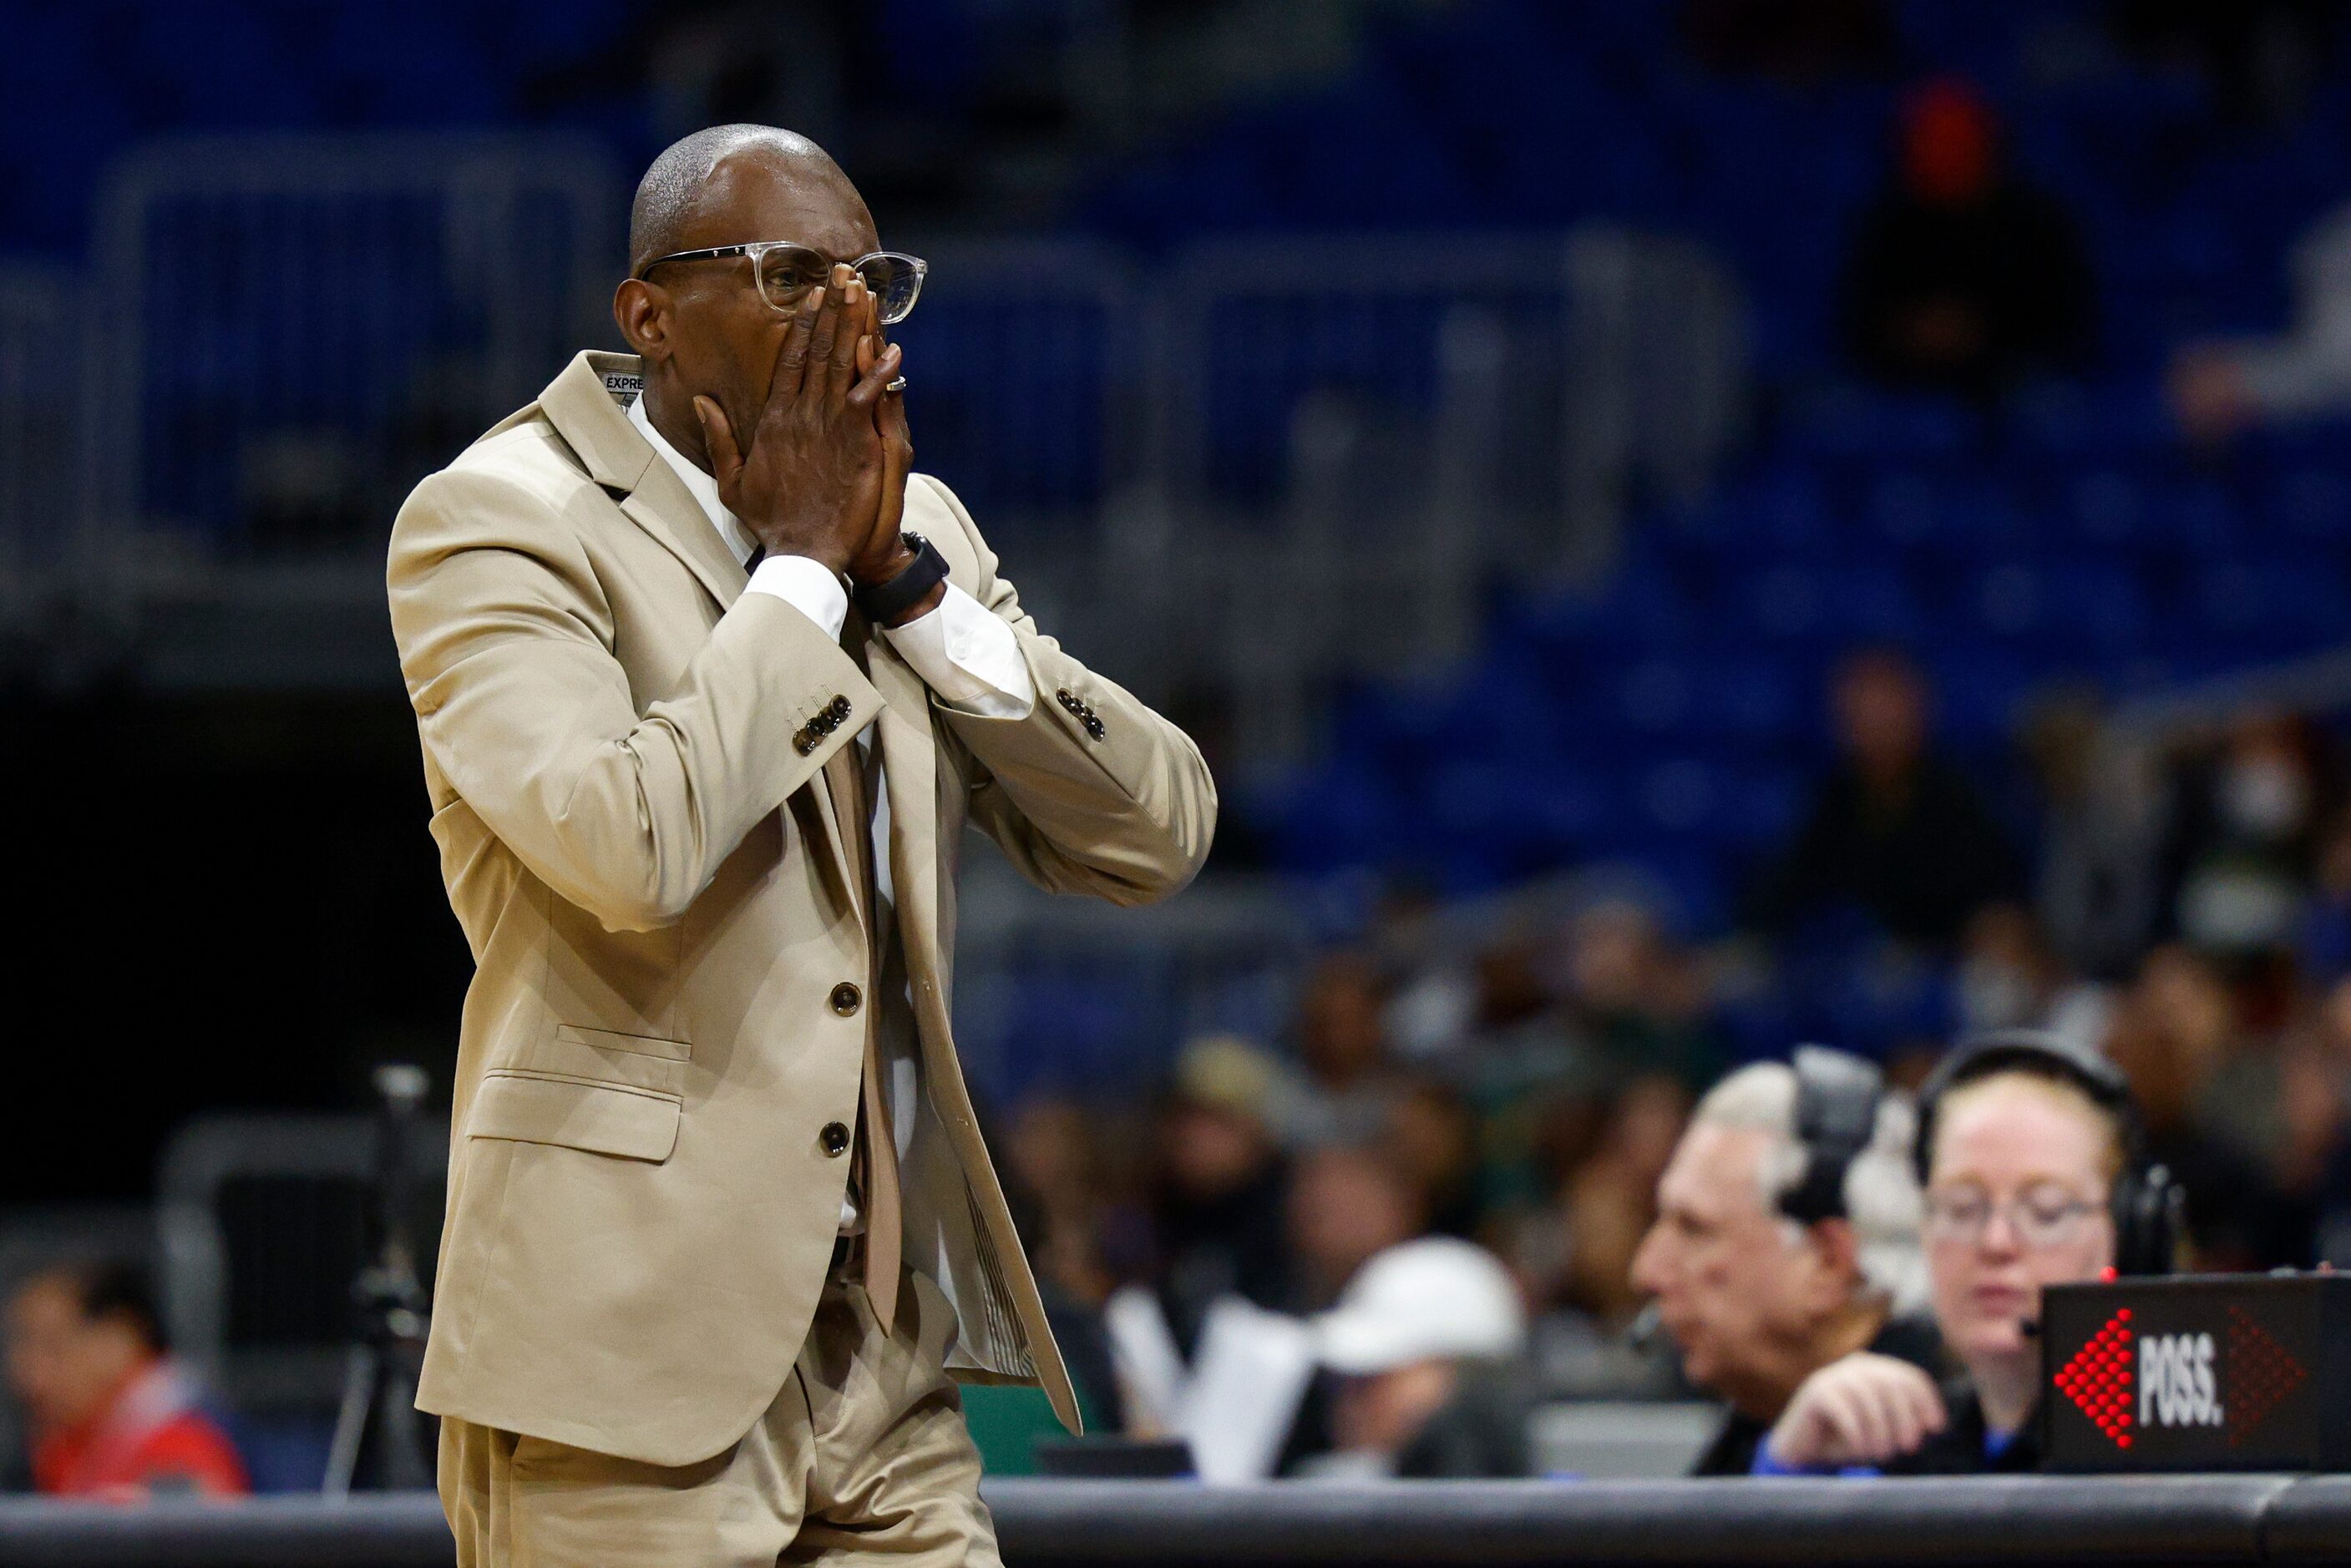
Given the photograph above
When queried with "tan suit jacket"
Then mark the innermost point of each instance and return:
(636, 837)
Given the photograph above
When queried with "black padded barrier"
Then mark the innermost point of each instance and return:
(1164, 1524)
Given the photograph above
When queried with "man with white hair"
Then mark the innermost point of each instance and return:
(1787, 1236)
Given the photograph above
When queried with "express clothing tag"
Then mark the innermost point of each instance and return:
(625, 386)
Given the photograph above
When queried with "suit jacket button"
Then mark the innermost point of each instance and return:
(834, 1139)
(839, 708)
(846, 998)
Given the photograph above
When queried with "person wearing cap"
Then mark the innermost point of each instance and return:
(1422, 1341)
(2025, 1143)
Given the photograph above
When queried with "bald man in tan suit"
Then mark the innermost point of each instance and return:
(722, 1233)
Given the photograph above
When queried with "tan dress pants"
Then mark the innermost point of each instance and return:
(862, 1457)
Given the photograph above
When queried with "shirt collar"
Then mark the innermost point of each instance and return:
(698, 484)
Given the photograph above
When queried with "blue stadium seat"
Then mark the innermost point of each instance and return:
(2272, 606)
(2108, 508)
(1978, 690)
(2310, 505)
(1856, 424)
(2201, 518)
(1754, 700)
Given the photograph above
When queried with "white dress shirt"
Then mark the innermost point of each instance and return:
(963, 651)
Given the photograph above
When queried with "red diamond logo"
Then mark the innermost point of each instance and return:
(2261, 1373)
(2101, 1378)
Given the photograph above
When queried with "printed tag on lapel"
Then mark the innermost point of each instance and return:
(624, 386)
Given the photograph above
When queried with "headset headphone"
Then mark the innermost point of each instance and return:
(2147, 1202)
(1836, 1116)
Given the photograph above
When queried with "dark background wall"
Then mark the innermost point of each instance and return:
(227, 901)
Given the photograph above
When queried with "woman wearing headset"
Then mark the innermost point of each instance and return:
(2029, 1152)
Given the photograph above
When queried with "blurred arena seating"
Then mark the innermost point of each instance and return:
(1382, 385)
(1445, 415)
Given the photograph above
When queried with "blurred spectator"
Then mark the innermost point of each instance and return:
(1527, 1069)
(1893, 828)
(1577, 1252)
(2312, 1085)
(1432, 1006)
(1054, 1153)
(2246, 835)
(1347, 1204)
(1426, 1341)
(1579, 1249)
(1963, 277)
(1582, 1010)
(2105, 811)
(1756, 1301)
(1350, 1087)
(1464, 1001)
(1003, 1424)
(2319, 1113)
(111, 1417)
(1513, 992)
(1221, 1200)
(2323, 943)
(1434, 1138)
(2223, 385)
(2023, 1166)
(2010, 979)
(2173, 1032)
(1637, 999)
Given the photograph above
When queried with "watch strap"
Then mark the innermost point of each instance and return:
(882, 603)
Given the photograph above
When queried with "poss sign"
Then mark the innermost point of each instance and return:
(2176, 1385)
(2224, 1372)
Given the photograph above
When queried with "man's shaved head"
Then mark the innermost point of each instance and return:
(671, 199)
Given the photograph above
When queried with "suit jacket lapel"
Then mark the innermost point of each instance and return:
(663, 506)
(580, 405)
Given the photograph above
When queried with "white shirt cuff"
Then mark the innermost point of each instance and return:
(808, 587)
(969, 656)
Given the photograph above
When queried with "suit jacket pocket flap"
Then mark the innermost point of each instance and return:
(604, 1119)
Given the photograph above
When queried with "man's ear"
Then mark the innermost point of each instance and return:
(1838, 1253)
(643, 312)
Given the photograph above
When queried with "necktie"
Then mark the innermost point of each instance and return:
(876, 1161)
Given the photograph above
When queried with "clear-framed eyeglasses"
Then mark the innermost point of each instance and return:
(2043, 1215)
(784, 271)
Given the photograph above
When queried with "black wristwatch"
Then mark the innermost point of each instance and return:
(882, 603)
